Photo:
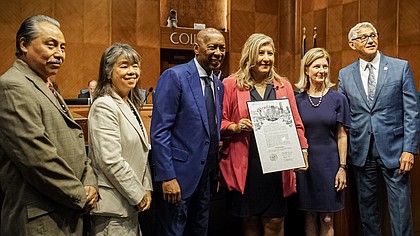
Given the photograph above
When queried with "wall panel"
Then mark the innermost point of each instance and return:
(387, 27)
(35, 7)
(243, 25)
(212, 13)
(319, 21)
(409, 27)
(96, 22)
(334, 31)
(150, 67)
(147, 29)
(350, 17)
(123, 22)
(71, 14)
(248, 6)
(267, 6)
(70, 78)
(267, 24)
(92, 54)
(369, 11)
(10, 18)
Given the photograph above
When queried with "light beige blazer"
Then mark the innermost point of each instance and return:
(118, 147)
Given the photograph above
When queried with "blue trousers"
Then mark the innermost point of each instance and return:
(398, 192)
(190, 216)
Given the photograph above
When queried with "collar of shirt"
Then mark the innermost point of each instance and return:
(201, 72)
(364, 71)
(374, 62)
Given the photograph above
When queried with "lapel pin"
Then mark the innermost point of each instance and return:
(218, 88)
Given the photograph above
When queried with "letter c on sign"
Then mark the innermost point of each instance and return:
(172, 38)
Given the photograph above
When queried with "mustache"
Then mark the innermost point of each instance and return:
(55, 61)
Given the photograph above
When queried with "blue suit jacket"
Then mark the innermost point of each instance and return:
(179, 128)
(393, 118)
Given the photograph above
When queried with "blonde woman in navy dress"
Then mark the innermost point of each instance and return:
(326, 116)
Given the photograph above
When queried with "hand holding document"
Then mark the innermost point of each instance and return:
(276, 135)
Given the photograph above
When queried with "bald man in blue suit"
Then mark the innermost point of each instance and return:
(185, 138)
(384, 133)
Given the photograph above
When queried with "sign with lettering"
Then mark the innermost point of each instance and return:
(181, 38)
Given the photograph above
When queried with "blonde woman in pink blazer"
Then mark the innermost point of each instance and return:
(260, 199)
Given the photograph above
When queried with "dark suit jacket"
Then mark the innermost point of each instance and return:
(84, 95)
(43, 164)
(393, 119)
(179, 129)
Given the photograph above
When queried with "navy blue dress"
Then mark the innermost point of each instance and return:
(315, 187)
(263, 193)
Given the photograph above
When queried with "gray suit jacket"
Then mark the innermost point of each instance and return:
(393, 118)
(43, 164)
(118, 148)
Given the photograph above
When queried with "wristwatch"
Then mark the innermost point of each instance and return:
(344, 166)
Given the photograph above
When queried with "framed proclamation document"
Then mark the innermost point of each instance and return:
(276, 136)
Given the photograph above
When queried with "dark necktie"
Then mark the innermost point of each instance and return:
(371, 83)
(211, 115)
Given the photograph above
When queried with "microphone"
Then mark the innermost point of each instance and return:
(147, 94)
(276, 88)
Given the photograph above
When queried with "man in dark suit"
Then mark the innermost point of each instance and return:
(45, 174)
(185, 137)
(384, 133)
(91, 89)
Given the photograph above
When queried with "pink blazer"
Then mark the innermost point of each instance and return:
(234, 153)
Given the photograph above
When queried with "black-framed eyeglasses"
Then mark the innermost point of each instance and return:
(364, 38)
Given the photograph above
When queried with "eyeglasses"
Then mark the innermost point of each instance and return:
(364, 38)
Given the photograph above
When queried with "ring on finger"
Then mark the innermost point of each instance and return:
(242, 126)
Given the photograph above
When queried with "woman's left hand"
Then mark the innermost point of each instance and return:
(340, 179)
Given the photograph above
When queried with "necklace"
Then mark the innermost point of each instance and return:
(136, 115)
(320, 99)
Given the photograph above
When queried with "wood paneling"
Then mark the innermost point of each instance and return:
(70, 11)
(387, 27)
(334, 35)
(33, 7)
(124, 22)
(147, 28)
(91, 69)
(409, 27)
(350, 17)
(267, 6)
(150, 68)
(288, 40)
(243, 25)
(267, 24)
(96, 22)
(211, 13)
(70, 77)
(89, 27)
(9, 19)
(248, 6)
